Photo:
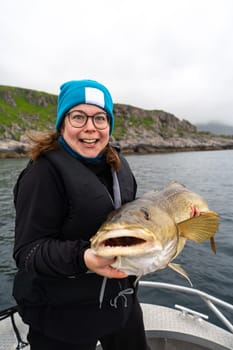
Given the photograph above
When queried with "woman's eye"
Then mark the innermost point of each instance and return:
(100, 118)
(78, 117)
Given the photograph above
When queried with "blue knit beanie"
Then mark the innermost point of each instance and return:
(76, 92)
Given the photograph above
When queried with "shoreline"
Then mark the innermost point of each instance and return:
(16, 149)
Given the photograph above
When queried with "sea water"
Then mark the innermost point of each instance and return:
(209, 173)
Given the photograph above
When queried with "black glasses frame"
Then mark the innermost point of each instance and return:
(87, 117)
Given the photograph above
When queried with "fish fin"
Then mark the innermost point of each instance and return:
(213, 245)
(200, 228)
(137, 280)
(180, 270)
(180, 246)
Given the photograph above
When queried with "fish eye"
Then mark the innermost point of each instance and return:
(145, 213)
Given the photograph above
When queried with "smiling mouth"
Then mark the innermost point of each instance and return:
(89, 141)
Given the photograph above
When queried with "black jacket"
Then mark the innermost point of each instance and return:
(60, 204)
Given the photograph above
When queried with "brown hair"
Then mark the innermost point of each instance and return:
(41, 142)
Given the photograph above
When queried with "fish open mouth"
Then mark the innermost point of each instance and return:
(124, 242)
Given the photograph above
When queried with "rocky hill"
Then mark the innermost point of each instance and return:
(136, 130)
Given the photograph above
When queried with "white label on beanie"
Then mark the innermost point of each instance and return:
(94, 96)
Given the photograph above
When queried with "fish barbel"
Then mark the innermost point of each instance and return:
(146, 234)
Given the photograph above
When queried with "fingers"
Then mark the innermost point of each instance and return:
(194, 211)
(110, 272)
(102, 266)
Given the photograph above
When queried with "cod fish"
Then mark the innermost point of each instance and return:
(148, 233)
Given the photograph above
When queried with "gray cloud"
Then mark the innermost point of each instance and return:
(156, 54)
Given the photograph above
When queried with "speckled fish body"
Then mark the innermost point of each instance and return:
(147, 234)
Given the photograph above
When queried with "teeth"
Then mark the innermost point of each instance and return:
(89, 141)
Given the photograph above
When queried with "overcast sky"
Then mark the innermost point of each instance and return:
(174, 55)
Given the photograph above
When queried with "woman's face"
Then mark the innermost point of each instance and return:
(87, 140)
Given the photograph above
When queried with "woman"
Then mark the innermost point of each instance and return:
(70, 297)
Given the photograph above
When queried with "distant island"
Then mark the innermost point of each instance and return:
(136, 130)
(215, 128)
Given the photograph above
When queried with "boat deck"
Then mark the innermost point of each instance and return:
(171, 329)
(166, 328)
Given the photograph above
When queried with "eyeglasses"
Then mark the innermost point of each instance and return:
(78, 119)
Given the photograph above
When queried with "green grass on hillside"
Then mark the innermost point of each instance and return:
(23, 109)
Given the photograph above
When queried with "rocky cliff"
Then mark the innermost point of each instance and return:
(136, 130)
(144, 131)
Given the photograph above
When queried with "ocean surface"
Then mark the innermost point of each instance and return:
(208, 173)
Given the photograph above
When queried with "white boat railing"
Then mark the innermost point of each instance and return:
(210, 300)
(10, 313)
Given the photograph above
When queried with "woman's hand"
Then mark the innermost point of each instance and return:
(194, 211)
(101, 266)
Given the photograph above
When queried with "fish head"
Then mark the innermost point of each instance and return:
(134, 231)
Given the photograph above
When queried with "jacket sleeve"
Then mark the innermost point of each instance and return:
(41, 206)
